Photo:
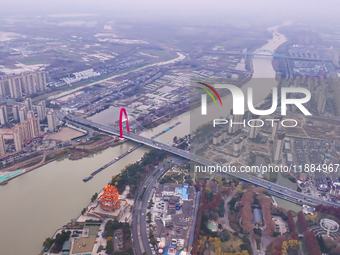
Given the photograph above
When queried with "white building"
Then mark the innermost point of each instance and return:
(41, 110)
(51, 121)
(3, 114)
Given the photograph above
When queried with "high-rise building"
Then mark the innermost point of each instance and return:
(277, 147)
(236, 123)
(28, 104)
(51, 121)
(28, 84)
(26, 130)
(275, 128)
(30, 114)
(321, 99)
(255, 128)
(4, 87)
(34, 126)
(15, 87)
(23, 114)
(238, 145)
(3, 115)
(17, 137)
(15, 110)
(2, 146)
(41, 109)
(40, 81)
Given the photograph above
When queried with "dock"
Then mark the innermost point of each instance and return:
(111, 162)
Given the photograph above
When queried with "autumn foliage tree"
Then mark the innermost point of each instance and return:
(303, 225)
(246, 214)
(291, 222)
(276, 248)
(312, 243)
(294, 235)
(282, 244)
(266, 205)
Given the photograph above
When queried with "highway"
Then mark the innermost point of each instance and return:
(139, 228)
(273, 188)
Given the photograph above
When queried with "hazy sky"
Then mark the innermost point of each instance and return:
(171, 8)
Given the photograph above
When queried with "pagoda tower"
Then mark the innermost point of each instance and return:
(109, 201)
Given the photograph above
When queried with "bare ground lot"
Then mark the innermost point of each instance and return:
(65, 134)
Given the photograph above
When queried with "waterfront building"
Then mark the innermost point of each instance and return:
(34, 126)
(2, 146)
(17, 137)
(109, 201)
(51, 121)
(41, 110)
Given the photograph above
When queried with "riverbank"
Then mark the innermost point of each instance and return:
(123, 182)
(75, 152)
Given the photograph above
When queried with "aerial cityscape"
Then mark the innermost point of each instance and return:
(173, 128)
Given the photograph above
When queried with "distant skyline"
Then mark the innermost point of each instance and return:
(173, 9)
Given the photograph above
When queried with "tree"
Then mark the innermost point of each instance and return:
(48, 242)
(109, 245)
(94, 197)
(115, 224)
(291, 222)
(313, 246)
(83, 211)
(303, 225)
(335, 250)
(321, 243)
(224, 236)
(294, 235)
(257, 231)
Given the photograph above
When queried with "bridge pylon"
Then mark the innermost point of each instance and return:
(122, 110)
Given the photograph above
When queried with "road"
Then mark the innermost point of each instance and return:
(139, 232)
(226, 212)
